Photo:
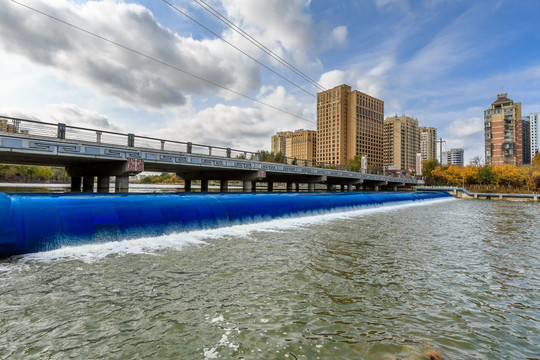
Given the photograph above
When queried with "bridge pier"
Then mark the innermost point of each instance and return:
(297, 186)
(289, 186)
(187, 185)
(247, 186)
(270, 186)
(311, 187)
(376, 188)
(204, 185)
(88, 183)
(76, 182)
(329, 187)
(224, 185)
(349, 188)
(103, 184)
(121, 183)
(342, 188)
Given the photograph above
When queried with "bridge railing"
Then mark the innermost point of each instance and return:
(76, 133)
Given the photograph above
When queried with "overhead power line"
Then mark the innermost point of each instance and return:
(255, 42)
(159, 61)
(237, 48)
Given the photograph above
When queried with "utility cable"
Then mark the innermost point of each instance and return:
(240, 50)
(160, 61)
(255, 42)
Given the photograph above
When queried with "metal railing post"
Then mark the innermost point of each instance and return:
(229, 153)
(162, 145)
(61, 131)
(131, 140)
(98, 136)
(189, 147)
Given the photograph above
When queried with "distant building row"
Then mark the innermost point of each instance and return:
(509, 138)
(300, 145)
(11, 128)
(351, 123)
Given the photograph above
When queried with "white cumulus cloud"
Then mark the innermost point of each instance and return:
(83, 59)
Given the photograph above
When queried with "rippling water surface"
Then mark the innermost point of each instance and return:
(459, 276)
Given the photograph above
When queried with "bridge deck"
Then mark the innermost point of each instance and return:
(85, 157)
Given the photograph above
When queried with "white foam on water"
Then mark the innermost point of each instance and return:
(92, 252)
(224, 342)
(177, 241)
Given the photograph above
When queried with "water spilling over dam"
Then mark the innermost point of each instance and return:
(40, 222)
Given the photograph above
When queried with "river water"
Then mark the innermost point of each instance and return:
(458, 276)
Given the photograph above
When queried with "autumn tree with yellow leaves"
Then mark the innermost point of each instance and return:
(522, 178)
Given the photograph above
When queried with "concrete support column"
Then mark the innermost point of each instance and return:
(246, 186)
(76, 182)
(121, 184)
(187, 185)
(311, 187)
(103, 184)
(88, 184)
(270, 186)
(535, 198)
(253, 186)
(297, 186)
(224, 185)
(395, 188)
(289, 186)
(204, 185)
(349, 188)
(329, 187)
(358, 187)
(376, 188)
(342, 188)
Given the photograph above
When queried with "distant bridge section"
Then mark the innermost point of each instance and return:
(90, 153)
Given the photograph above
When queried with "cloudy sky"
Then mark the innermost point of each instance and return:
(171, 69)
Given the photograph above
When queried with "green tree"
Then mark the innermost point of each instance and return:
(43, 173)
(428, 166)
(356, 163)
(268, 156)
(485, 175)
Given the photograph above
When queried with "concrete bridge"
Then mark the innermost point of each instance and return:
(90, 153)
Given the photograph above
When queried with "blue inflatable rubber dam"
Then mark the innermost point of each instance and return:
(40, 222)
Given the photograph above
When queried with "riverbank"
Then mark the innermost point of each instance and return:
(463, 193)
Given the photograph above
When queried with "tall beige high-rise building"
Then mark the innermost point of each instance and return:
(349, 123)
(401, 141)
(301, 147)
(428, 142)
(278, 142)
(503, 132)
